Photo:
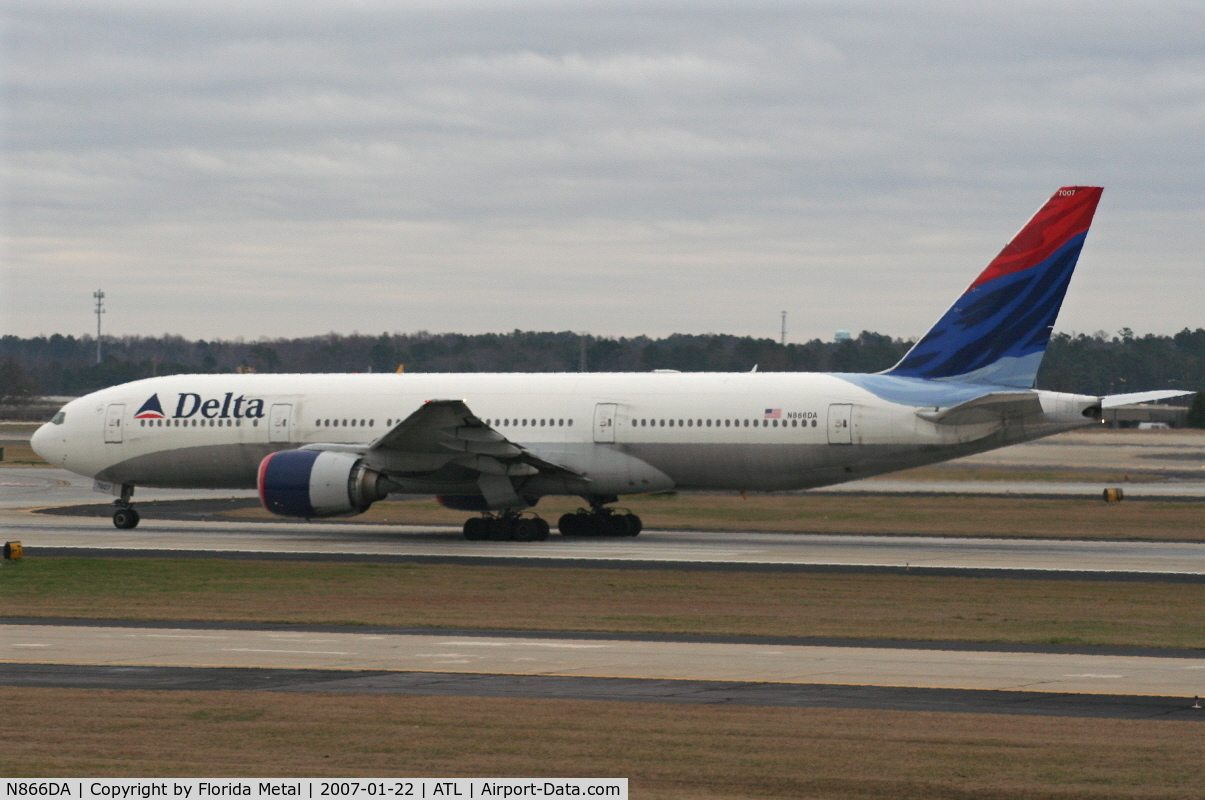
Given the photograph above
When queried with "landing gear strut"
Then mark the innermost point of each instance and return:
(507, 526)
(124, 515)
(600, 521)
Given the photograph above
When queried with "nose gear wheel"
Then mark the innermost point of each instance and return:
(125, 516)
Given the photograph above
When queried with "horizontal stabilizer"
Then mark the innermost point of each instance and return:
(1115, 400)
(986, 408)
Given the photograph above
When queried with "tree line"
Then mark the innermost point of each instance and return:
(66, 365)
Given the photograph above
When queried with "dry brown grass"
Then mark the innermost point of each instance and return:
(656, 601)
(667, 751)
(1090, 518)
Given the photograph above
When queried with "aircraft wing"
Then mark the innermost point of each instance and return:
(446, 433)
(989, 407)
(1114, 400)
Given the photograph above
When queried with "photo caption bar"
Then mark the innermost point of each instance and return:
(263, 788)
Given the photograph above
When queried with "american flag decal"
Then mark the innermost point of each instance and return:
(773, 413)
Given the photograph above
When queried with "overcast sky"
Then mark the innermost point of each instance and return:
(261, 169)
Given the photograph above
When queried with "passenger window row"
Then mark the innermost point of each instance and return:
(724, 423)
(523, 423)
(561, 423)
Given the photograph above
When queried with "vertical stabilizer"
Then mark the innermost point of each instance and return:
(997, 332)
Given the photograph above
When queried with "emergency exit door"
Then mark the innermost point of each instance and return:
(604, 423)
(278, 422)
(114, 420)
(840, 423)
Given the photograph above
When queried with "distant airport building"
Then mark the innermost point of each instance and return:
(1146, 415)
(32, 409)
(841, 336)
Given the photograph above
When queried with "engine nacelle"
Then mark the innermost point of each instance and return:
(318, 483)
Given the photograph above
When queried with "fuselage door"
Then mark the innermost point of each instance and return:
(604, 423)
(840, 425)
(278, 422)
(114, 419)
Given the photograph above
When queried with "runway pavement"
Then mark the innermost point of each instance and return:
(447, 684)
(600, 667)
(48, 535)
(834, 674)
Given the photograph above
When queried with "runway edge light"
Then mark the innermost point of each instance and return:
(13, 551)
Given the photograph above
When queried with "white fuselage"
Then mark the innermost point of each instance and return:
(627, 432)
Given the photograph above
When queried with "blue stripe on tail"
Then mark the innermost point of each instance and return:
(997, 332)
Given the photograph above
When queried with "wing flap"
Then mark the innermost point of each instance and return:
(443, 432)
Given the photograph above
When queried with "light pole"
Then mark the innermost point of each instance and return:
(100, 309)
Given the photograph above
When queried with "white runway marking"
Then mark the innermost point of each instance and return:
(298, 652)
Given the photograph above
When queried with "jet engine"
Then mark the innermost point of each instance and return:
(319, 483)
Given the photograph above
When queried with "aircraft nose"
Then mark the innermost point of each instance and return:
(43, 443)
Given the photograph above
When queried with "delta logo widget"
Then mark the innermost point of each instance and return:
(151, 409)
(190, 404)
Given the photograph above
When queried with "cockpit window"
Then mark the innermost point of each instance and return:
(58, 418)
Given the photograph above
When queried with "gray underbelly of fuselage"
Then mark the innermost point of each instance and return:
(785, 467)
(691, 466)
(216, 466)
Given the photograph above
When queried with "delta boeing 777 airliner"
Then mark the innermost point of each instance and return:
(331, 445)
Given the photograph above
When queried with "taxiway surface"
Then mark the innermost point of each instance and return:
(1083, 684)
(599, 657)
(75, 535)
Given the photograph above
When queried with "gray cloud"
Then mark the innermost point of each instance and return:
(619, 168)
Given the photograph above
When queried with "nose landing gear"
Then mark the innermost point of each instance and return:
(125, 516)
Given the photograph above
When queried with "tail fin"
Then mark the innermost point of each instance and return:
(997, 332)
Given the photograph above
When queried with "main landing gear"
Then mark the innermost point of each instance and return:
(125, 516)
(506, 527)
(600, 521)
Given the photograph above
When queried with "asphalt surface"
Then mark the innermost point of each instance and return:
(610, 636)
(44, 535)
(599, 667)
(446, 684)
(1130, 683)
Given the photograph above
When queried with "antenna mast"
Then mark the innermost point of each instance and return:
(784, 328)
(100, 309)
